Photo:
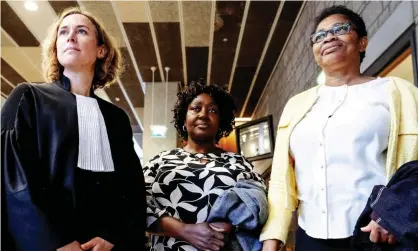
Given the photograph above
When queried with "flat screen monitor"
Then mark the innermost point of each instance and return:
(255, 139)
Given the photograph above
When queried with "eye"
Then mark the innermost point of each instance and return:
(340, 29)
(318, 36)
(81, 31)
(196, 108)
(62, 32)
(213, 110)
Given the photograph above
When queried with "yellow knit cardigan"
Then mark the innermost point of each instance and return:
(402, 148)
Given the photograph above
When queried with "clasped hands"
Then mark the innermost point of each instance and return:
(207, 236)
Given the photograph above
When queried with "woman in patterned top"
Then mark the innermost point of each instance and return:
(183, 184)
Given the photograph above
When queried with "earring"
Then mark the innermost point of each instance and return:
(184, 128)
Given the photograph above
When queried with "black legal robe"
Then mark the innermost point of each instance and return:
(47, 201)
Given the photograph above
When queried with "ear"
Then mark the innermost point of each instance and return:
(102, 52)
(363, 43)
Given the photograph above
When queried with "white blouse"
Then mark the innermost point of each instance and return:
(339, 149)
(94, 149)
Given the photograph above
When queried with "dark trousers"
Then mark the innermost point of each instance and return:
(306, 243)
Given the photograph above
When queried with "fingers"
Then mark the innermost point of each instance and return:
(384, 237)
(367, 228)
(384, 234)
(97, 248)
(218, 243)
(218, 235)
(391, 239)
(215, 248)
(374, 236)
(378, 233)
(90, 244)
(216, 228)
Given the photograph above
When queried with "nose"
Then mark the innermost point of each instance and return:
(204, 113)
(71, 36)
(329, 37)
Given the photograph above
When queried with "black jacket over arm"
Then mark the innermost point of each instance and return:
(39, 153)
(396, 209)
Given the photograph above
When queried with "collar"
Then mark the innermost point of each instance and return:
(65, 83)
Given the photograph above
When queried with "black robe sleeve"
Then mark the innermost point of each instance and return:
(132, 235)
(25, 222)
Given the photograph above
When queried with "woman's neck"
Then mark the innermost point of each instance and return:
(200, 147)
(80, 81)
(344, 76)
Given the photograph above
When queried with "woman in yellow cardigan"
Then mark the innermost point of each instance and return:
(337, 141)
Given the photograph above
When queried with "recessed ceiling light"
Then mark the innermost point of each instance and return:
(31, 6)
(117, 99)
(225, 40)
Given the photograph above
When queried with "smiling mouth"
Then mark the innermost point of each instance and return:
(331, 49)
(202, 126)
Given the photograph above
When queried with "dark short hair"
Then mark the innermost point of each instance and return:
(221, 97)
(355, 19)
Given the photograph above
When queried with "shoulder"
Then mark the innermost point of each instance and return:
(302, 97)
(20, 99)
(113, 109)
(44, 90)
(404, 86)
(21, 92)
(299, 100)
(157, 159)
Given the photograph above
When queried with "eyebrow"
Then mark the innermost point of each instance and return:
(200, 103)
(339, 23)
(78, 26)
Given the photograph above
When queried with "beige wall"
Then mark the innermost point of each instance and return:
(153, 146)
(2, 101)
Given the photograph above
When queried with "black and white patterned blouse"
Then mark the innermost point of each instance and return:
(186, 185)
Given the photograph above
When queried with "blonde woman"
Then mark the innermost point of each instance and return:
(70, 177)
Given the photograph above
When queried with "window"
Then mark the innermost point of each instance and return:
(401, 67)
(399, 60)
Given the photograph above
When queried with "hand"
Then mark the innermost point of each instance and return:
(272, 245)
(378, 233)
(203, 237)
(97, 244)
(223, 227)
(73, 246)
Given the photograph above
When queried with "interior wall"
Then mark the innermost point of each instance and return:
(153, 146)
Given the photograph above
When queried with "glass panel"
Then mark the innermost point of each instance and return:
(401, 67)
(255, 140)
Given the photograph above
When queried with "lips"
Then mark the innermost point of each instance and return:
(202, 126)
(330, 48)
(71, 49)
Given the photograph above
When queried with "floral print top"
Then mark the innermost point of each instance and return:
(184, 185)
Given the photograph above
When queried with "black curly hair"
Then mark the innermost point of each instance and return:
(221, 97)
(354, 18)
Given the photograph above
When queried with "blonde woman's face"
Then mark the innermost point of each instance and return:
(77, 45)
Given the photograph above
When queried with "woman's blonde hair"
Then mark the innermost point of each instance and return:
(107, 69)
